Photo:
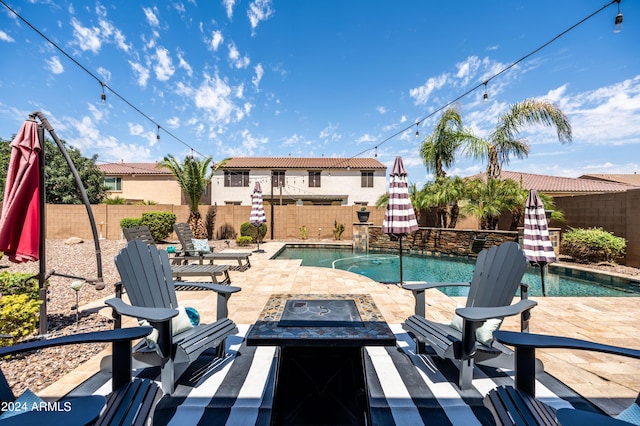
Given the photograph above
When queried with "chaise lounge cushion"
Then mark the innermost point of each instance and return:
(631, 414)
(484, 333)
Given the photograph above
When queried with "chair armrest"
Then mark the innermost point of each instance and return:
(423, 285)
(150, 314)
(218, 288)
(482, 314)
(119, 335)
(418, 288)
(529, 340)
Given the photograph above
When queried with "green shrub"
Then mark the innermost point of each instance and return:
(18, 317)
(244, 241)
(304, 234)
(130, 222)
(159, 223)
(14, 283)
(114, 200)
(338, 229)
(592, 245)
(226, 232)
(249, 230)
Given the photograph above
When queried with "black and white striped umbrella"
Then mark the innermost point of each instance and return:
(536, 242)
(257, 217)
(400, 218)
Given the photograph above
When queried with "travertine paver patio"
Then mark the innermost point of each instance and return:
(607, 380)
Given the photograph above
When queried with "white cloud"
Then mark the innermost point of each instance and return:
(215, 96)
(295, 140)
(141, 72)
(216, 40)
(86, 38)
(104, 73)
(135, 129)
(185, 65)
(55, 66)
(258, 77)
(381, 109)
(228, 5)
(150, 15)
(97, 113)
(421, 94)
(236, 59)
(6, 37)
(330, 133)
(555, 95)
(164, 68)
(403, 119)
(174, 122)
(366, 138)
(259, 10)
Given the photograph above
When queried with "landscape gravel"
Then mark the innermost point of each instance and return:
(38, 370)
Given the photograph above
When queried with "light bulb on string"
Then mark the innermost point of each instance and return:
(417, 129)
(618, 20)
(158, 133)
(485, 97)
(103, 96)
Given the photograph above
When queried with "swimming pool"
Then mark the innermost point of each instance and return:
(384, 268)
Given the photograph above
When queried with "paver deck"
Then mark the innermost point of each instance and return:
(598, 377)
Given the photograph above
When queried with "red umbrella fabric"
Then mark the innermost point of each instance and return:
(20, 221)
(257, 217)
(536, 242)
(400, 218)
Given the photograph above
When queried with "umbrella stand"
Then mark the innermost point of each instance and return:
(400, 237)
(42, 275)
(542, 266)
(257, 250)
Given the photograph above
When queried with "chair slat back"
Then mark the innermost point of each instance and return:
(184, 233)
(141, 232)
(145, 272)
(497, 275)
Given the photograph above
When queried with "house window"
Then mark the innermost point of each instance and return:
(367, 180)
(277, 179)
(314, 179)
(236, 178)
(113, 183)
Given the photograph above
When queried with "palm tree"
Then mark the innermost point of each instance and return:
(439, 148)
(193, 176)
(503, 142)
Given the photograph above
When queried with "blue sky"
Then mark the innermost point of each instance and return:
(331, 77)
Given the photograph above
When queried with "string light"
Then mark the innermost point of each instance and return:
(417, 129)
(158, 134)
(618, 20)
(485, 97)
(103, 97)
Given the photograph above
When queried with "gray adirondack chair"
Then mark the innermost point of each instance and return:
(146, 275)
(131, 402)
(518, 405)
(496, 278)
(188, 252)
(179, 269)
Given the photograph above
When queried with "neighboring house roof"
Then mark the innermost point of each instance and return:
(302, 163)
(554, 184)
(112, 169)
(631, 179)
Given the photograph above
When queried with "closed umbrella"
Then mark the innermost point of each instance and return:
(400, 218)
(536, 242)
(20, 221)
(257, 217)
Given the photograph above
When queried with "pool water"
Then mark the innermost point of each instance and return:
(384, 268)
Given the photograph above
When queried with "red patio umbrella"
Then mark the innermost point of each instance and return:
(400, 218)
(20, 221)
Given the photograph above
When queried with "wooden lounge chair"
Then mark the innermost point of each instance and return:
(130, 402)
(496, 278)
(511, 406)
(189, 252)
(142, 233)
(146, 275)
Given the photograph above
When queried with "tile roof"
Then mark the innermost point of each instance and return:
(302, 163)
(554, 184)
(133, 169)
(631, 179)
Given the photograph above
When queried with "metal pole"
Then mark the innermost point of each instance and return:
(271, 202)
(42, 279)
(99, 283)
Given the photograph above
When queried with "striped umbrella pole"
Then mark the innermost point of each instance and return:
(536, 242)
(400, 218)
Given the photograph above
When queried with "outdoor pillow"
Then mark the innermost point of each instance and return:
(179, 323)
(484, 333)
(201, 245)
